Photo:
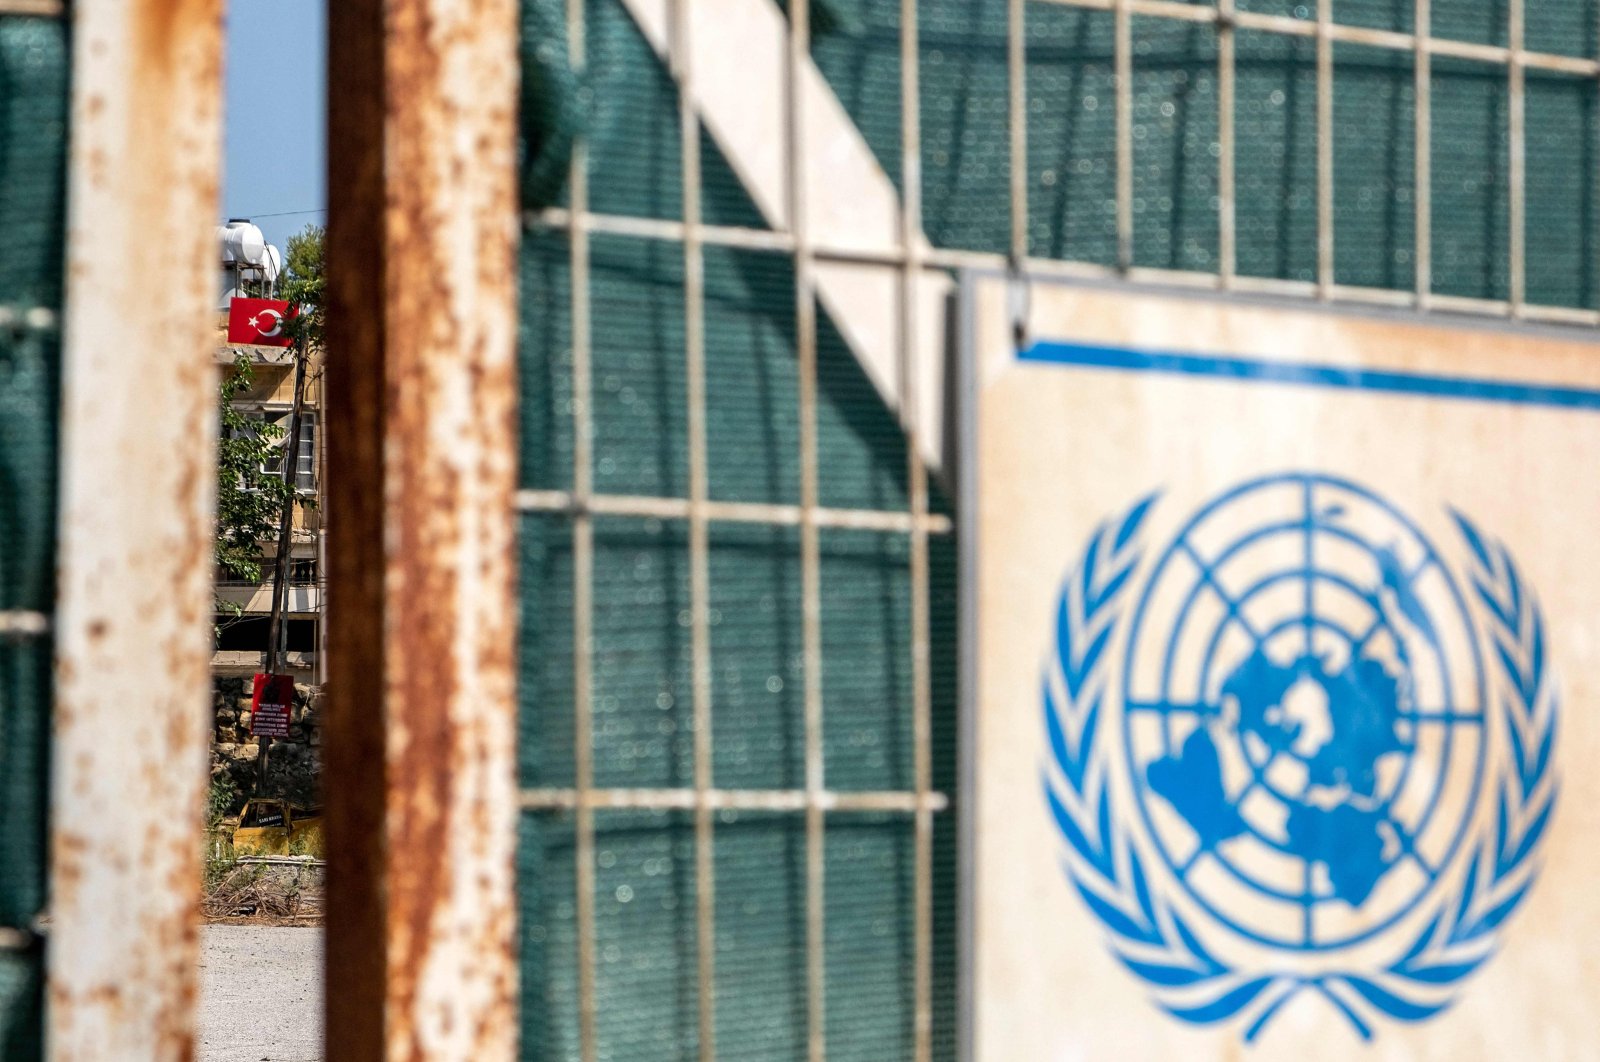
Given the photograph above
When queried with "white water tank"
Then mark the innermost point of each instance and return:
(242, 243)
(272, 264)
(247, 257)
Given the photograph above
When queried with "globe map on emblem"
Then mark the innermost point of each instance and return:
(1303, 711)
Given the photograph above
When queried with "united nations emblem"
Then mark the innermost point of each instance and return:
(1299, 748)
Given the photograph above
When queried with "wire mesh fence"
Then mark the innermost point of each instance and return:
(731, 841)
(730, 542)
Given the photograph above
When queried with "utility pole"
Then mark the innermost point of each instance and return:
(276, 628)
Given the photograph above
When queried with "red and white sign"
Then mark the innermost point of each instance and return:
(259, 321)
(270, 704)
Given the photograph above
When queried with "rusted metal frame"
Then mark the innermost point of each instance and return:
(23, 623)
(422, 268)
(680, 53)
(797, 56)
(1325, 261)
(911, 243)
(1422, 154)
(46, 8)
(555, 501)
(1227, 214)
(1517, 104)
(1122, 62)
(864, 801)
(135, 530)
(1017, 133)
(355, 738)
(582, 559)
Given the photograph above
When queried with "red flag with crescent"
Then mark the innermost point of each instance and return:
(259, 321)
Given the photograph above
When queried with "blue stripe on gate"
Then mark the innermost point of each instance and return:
(1305, 374)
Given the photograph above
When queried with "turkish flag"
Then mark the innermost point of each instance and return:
(259, 321)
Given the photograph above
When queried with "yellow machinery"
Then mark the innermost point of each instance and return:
(270, 826)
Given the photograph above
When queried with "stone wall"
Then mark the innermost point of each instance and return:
(294, 764)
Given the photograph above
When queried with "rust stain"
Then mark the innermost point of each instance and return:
(147, 147)
(415, 478)
(430, 342)
(356, 734)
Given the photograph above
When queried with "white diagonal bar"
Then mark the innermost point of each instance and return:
(740, 59)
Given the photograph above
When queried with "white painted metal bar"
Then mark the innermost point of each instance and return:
(1422, 130)
(1325, 277)
(1227, 224)
(917, 486)
(23, 623)
(555, 501)
(917, 482)
(1017, 133)
(741, 86)
(38, 318)
(135, 531)
(806, 800)
(1517, 103)
(1122, 61)
(554, 218)
(15, 940)
(582, 560)
(682, 62)
(798, 179)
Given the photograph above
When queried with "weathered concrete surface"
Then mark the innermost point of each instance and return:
(260, 994)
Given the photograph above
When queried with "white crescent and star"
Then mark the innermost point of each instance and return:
(277, 322)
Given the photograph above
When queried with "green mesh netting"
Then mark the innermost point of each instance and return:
(626, 105)
(647, 967)
(1071, 140)
(33, 135)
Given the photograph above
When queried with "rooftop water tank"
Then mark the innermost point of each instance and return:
(242, 243)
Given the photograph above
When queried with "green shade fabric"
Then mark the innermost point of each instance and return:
(33, 147)
(647, 962)
(646, 937)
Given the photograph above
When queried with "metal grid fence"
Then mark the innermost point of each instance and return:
(581, 505)
(1322, 25)
(1226, 19)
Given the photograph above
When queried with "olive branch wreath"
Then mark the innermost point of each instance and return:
(1150, 937)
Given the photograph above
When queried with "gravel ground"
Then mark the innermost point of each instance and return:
(260, 994)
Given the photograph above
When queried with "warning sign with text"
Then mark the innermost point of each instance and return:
(270, 705)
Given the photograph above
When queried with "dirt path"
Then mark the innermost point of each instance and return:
(260, 994)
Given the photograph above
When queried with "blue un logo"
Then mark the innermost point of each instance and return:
(1304, 711)
(1314, 701)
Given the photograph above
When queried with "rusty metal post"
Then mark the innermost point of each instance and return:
(420, 418)
(139, 422)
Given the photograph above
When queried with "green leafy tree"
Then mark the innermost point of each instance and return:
(303, 285)
(249, 499)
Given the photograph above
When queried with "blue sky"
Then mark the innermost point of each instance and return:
(276, 115)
